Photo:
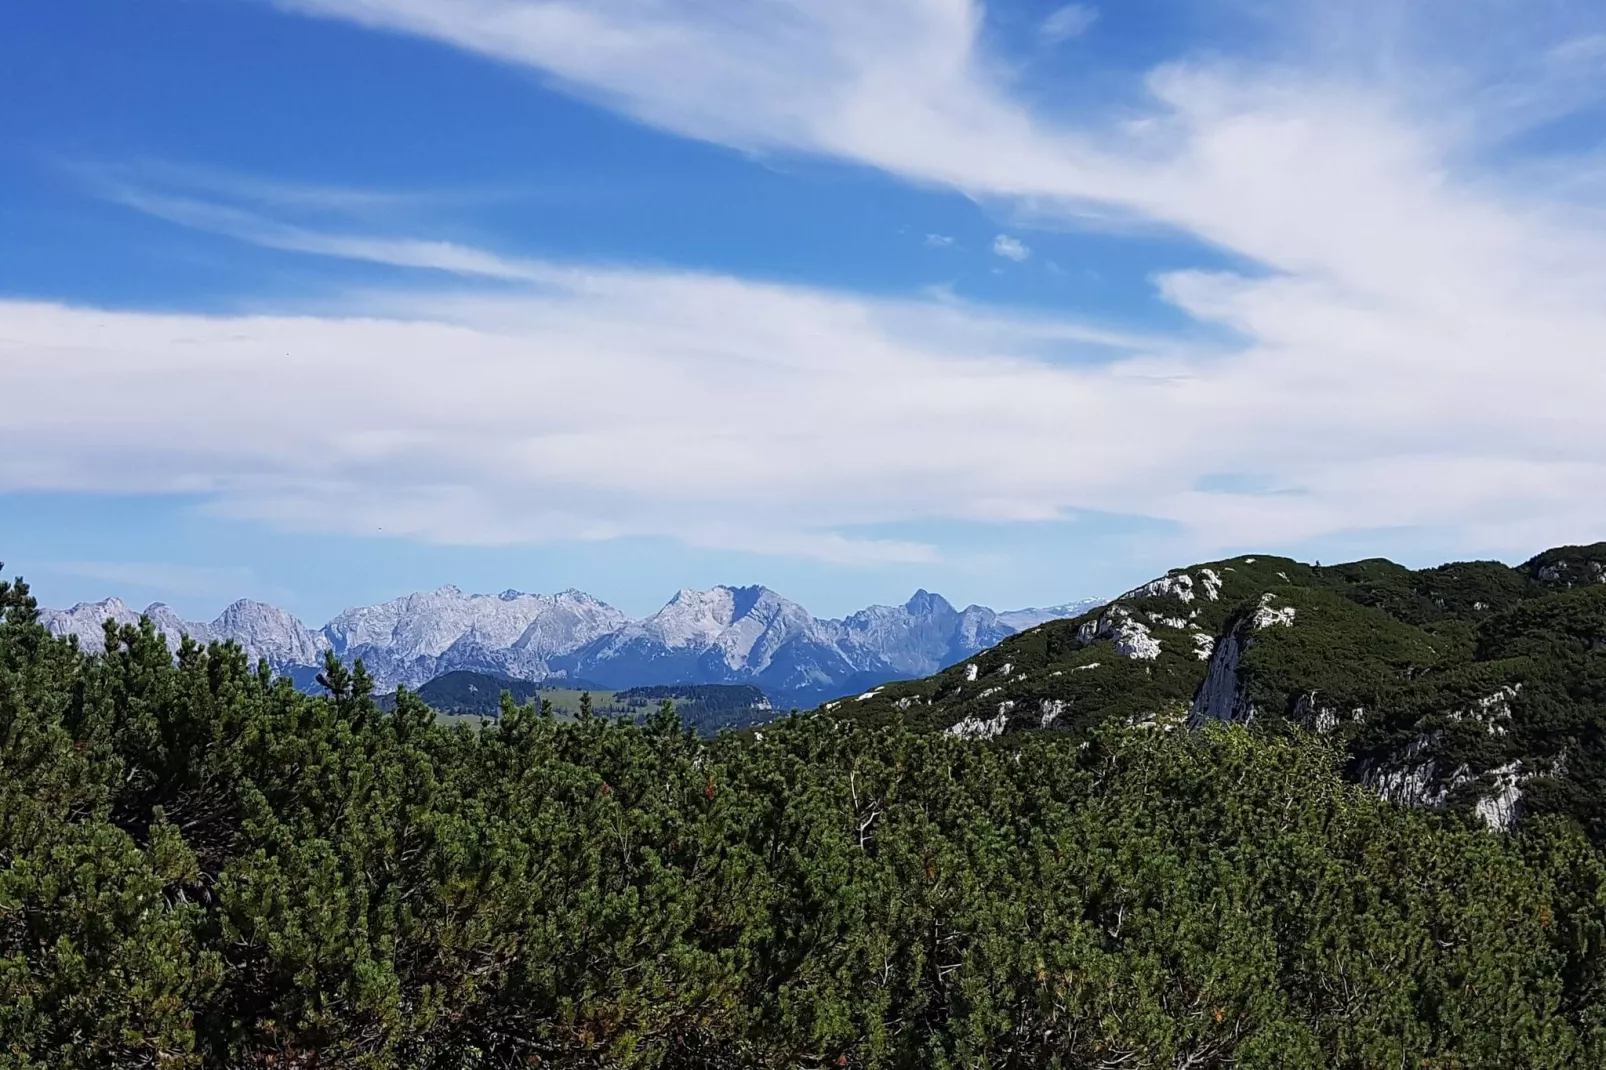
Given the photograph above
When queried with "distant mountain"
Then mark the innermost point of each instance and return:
(264, 632)
(409, 641)
(753, 635)
(1021, 620)
(725, 635)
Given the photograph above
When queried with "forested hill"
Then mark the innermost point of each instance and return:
(1471, 685)
(201, 866)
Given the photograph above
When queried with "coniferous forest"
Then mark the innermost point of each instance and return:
(202, 866)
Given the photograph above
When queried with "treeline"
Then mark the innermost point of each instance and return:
(200, 866)
(709, 708)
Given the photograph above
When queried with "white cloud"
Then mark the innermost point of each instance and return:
(939, 241)
(399, 252)
(1067, 22)
(732, 403)
(1011, 248)
(728, 403)
(1419, 332)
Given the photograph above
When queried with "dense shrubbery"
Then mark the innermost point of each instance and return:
(201, 866)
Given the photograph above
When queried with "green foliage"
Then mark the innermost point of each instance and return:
(706, 707)
(1440, 681)
(201, 866)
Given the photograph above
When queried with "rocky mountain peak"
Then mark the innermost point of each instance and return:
(268, 633)
(925, 604)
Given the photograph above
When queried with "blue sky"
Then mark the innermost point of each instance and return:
(325, 300)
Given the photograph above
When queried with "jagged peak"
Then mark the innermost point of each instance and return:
(110, 604)
(924, 602)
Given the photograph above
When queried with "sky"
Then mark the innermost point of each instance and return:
(324, 301)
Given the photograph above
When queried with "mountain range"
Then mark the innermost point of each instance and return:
(724, 635)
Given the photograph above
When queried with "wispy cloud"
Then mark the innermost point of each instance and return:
(1067, 22)
(1011, 248)
(248, 226)
(939, 241)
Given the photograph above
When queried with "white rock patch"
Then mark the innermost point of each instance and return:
(1131, 637)
(1267, 616)
(1132, 640)
(976, 728)
(1179, 587)
(1500, 810)
(1493, 711)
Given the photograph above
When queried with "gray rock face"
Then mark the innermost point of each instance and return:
(174, 628)
(87, 619)
(262, 631)
(723, 635)
(411, 640)
(268, 633)
(920, 637)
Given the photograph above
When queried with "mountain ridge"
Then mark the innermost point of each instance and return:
(1473, 686)
(722, 635)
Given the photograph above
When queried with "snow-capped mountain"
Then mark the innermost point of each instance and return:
(747, 635)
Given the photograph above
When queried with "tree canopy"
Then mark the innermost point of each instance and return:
(201, 866)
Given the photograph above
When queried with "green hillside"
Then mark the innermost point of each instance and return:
(464, 692)
(709, 708)
(470, 696)
(1473, 685)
